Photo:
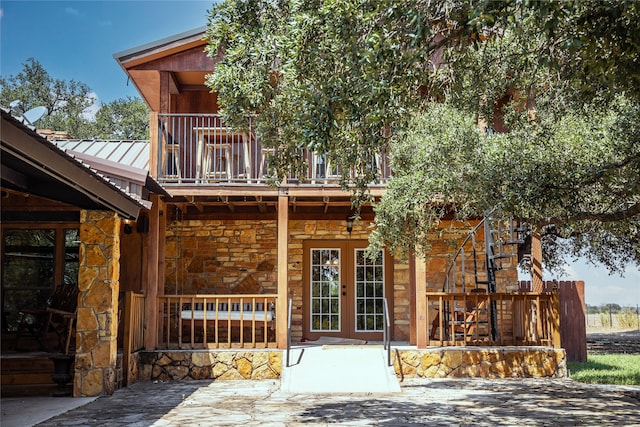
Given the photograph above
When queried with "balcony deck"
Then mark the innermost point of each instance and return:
(198, 154)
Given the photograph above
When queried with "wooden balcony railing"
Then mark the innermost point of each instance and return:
(218, 321)
(200, 149)
(519, 319)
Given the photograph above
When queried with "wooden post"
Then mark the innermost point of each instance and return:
(151, 285)
(555, 319)
(412, 299)
(126, 346)
(536, 264)
(421, 302)
(154, 149)
(283, 273)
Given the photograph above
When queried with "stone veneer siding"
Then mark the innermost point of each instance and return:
(240, 256)
(166, 365)
(97, 320)
(490, 362)
(228, 256)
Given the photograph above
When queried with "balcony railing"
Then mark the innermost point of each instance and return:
(200, 149)
(217, 321)
(460, 319)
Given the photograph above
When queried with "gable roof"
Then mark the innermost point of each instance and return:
(33, 165)
(182, 56)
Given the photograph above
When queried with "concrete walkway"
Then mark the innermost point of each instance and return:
(530, 402)
(336, 368)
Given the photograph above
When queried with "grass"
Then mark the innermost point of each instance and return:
(621, 369)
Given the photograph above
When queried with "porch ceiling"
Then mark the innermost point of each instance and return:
(261, 207)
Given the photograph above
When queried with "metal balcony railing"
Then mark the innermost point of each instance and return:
(200, 149)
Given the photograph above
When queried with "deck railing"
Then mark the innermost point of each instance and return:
(218, 321)
(133, 329)
(200, 149)
(460, 319)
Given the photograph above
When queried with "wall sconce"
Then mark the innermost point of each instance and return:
(350, 224)
(127, 227)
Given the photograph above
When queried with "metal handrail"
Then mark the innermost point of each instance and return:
(387, 332)
(289, 330)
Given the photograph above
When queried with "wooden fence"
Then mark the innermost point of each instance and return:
(573, 329)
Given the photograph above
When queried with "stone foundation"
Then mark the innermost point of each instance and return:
(169, 365)
(497, 362)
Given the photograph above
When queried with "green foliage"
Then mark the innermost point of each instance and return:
(621, 369)
(68, 104)
(351, 78)
(124, 118)
(66, 101)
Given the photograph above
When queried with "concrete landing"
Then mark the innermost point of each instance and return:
(339, 369)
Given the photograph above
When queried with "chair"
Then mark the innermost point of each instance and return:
(59, 316)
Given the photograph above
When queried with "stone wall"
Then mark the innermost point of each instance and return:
(167, 365)
(240, 256)
(220, 257)
(97, 319)
(496, 362)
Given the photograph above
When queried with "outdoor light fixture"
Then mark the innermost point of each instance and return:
(350, 224)
(127, 227)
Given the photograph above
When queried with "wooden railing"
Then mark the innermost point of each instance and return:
(460, 319)
(217, 321)
(200, 149)
(133, 329)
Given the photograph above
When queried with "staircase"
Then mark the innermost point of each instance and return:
(28, 374)
(474, 266)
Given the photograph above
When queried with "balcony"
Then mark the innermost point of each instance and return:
(201, 150)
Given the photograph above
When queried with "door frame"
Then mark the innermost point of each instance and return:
(347, 302)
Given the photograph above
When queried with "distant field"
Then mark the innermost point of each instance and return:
(594, 323)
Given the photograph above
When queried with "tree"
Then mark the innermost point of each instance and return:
(66, 101)
(124, 118)
(352, 77)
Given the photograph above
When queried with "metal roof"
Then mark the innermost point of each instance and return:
(120, 56)
(133, 153)
(34, 165)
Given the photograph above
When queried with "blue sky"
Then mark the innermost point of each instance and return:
(77, 39)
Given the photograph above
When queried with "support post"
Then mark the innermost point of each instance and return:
(283, 273)
(151, 285)
(412, 299)
(421, 301)
(536, 263)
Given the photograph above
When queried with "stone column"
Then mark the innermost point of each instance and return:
(97, 322)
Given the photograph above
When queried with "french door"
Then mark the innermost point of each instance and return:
(344, 290)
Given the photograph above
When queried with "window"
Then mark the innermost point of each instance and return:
(33, 261)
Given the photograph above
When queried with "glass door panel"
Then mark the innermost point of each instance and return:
(325, 290)
(369, 292)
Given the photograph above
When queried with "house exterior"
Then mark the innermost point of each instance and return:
(229, 233)
(216, 272)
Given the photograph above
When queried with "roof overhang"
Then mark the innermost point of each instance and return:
(181, 55)
(33, 165)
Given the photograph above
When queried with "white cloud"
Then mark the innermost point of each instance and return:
(89, 113)
(71, 11)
